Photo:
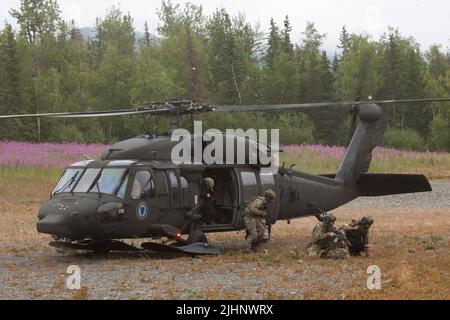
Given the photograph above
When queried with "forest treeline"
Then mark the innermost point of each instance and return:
(46, 65)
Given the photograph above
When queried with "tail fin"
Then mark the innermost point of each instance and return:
(359, 153)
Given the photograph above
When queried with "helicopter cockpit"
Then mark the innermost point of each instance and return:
(111, 178)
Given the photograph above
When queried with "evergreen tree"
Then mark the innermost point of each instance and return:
(37, 19)
(232, 45)
(344, 41)
(10, 81)
(287, 45)
(273, 43)
(437, 80)
(147, 37)
(183, 49)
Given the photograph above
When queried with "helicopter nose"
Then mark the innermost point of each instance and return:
(68, 217)
(55, 225)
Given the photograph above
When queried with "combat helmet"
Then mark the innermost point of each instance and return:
(209, 182)
(329, 217)
(269, 194)
(367, 220)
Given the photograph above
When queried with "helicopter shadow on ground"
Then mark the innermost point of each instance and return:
(115, 256)
(77, 255)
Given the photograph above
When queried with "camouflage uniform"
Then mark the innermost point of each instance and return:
(324, 246)
(254, 219)
(359, 236)
(207, 205)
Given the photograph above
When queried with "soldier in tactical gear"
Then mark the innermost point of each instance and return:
(357, 233)
(207, 205)
(254, 219)
(323, 240)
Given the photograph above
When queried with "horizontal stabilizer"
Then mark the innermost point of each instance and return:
(373, 184)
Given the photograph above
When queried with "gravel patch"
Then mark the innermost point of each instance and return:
(438, 198)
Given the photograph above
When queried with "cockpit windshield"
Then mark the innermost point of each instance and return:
(97, 180)
(109, 181)
(68, 180)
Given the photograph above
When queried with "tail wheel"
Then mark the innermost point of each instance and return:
(197, 236)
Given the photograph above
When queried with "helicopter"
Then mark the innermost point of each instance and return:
(136, 191)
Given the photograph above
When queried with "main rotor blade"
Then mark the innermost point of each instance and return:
(108, 113)
(266, 107)
(33, 115)
(89, 114)
(407, 100)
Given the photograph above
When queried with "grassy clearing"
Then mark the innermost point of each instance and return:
(22, 191)
(411, 246)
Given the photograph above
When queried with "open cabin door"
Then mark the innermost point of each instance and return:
(226, 198)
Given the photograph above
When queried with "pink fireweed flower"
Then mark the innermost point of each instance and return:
(46, 154)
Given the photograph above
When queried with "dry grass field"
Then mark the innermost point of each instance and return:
(410, 245)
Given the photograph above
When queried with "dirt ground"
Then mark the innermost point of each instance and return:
(410, 244)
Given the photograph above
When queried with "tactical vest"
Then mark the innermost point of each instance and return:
(247, 211)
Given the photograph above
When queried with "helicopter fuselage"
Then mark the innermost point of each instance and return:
(172, 194)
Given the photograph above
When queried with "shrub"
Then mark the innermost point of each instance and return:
(403, 139)
(439, 138)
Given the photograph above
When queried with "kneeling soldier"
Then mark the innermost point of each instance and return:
(324, 242)
(357, 233)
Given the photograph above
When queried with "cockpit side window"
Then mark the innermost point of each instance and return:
(143, 185)
(123, 188)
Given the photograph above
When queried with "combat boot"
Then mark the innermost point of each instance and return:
(254, 246)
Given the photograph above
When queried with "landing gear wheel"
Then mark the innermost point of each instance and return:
(197, 236)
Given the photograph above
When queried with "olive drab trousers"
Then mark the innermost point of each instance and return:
(255, 229)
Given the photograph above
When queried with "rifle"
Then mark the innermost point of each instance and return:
(340, 237)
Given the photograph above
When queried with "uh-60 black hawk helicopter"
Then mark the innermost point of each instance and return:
(95, 203)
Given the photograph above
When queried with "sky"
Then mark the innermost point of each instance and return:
(428, 21)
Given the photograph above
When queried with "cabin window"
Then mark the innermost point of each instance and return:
(185, 192)
(174, 186)
(267, 181)
(143, 185)
(249, 185)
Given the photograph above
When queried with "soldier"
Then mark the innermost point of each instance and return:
(357, 233)
(324, 242)
(207, 206)
(254, 219)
